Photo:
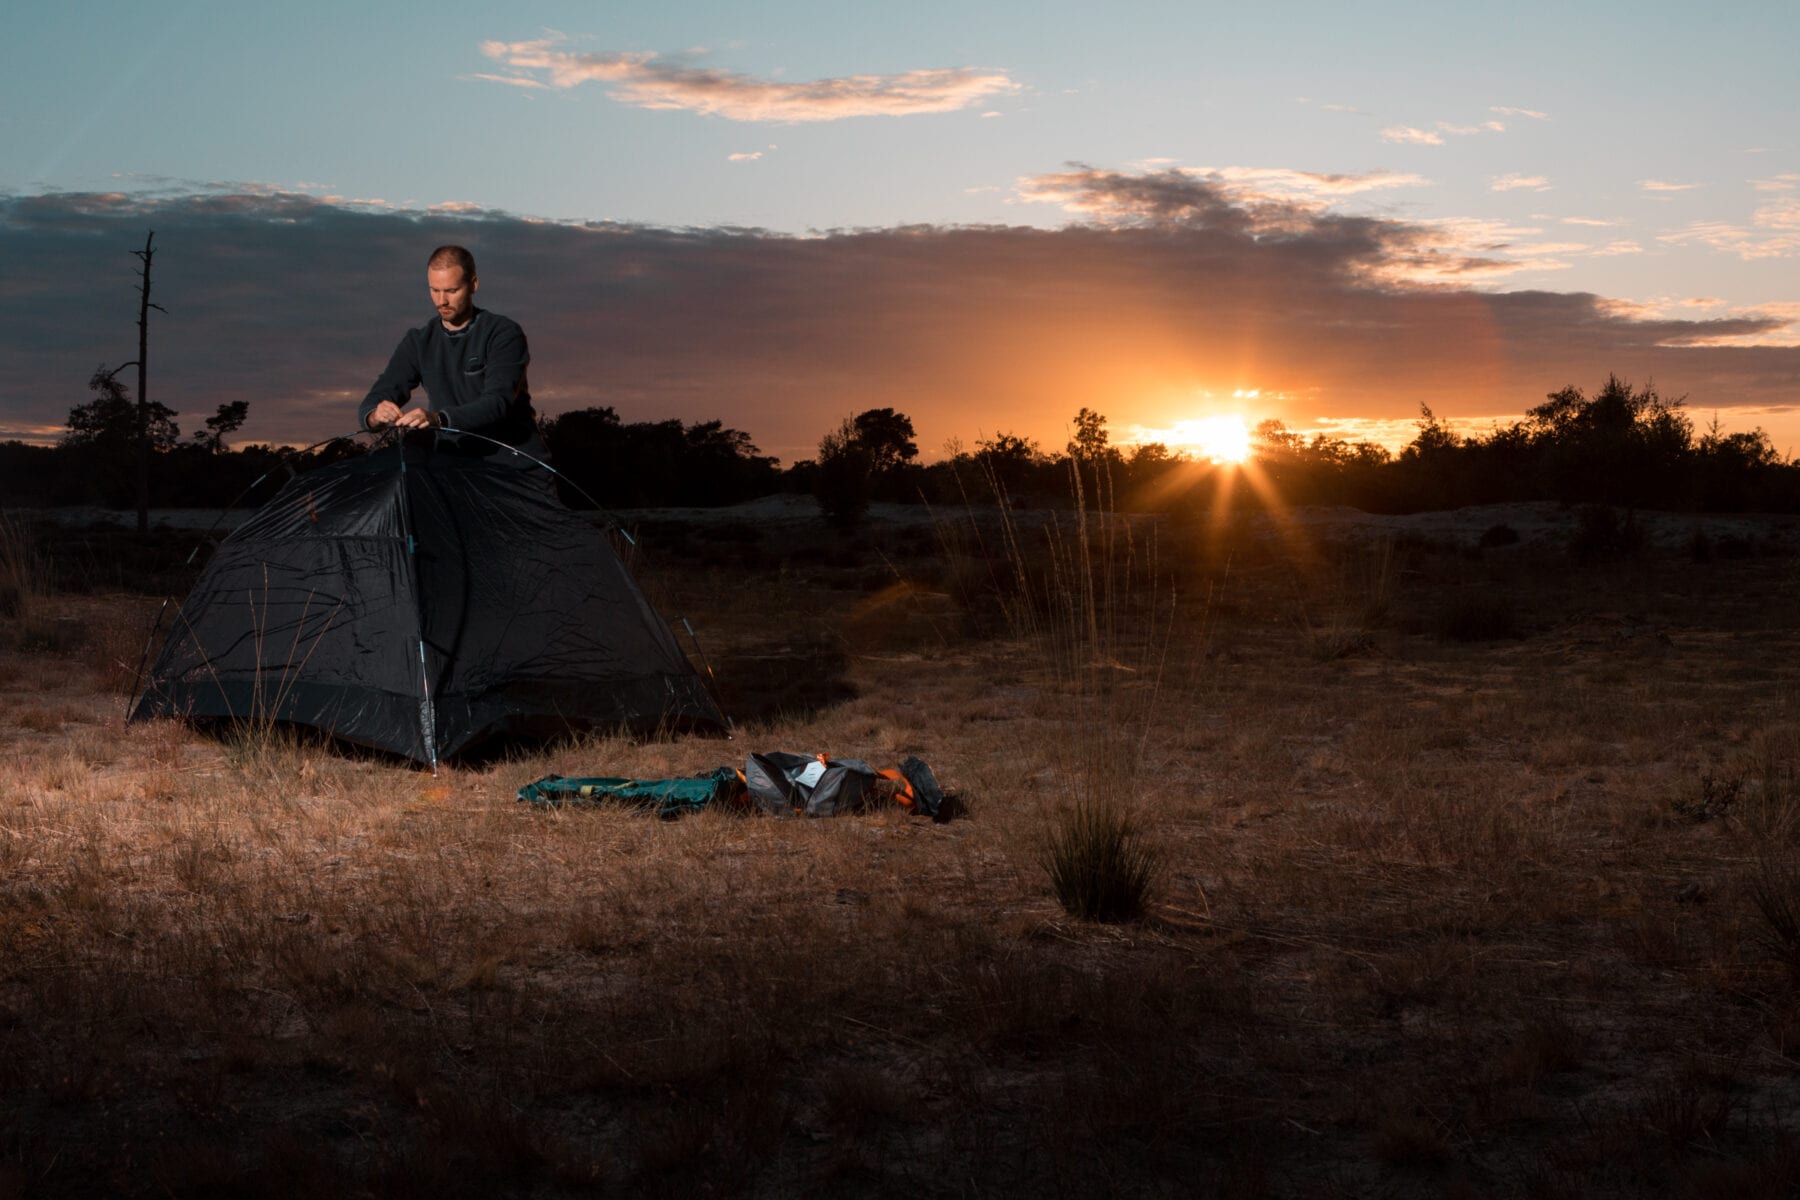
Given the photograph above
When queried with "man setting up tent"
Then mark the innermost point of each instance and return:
(472, 363)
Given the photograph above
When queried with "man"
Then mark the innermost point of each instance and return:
(472, 363)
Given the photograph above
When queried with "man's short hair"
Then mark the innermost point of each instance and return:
(452, 256)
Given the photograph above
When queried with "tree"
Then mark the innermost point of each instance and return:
(110, 420)
(1090, 441)
(229, 419)
(1620, 447)
(103, 436)
(857, 458)
(845, 481)
(1007, 459)
(887, 437)
(145, 415)
(1273, 439)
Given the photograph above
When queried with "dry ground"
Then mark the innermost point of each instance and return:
(1461, 864)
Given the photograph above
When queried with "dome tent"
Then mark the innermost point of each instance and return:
(422, 601)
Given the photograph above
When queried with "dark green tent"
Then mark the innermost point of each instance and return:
(423, 601)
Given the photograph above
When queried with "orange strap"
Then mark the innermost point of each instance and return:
(905, 794)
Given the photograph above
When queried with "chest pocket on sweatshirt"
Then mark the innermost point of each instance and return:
(474, 366)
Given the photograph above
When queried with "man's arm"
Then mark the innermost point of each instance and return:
(394, 387)
(504, 359)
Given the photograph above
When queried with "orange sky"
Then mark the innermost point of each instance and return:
(1146, 314)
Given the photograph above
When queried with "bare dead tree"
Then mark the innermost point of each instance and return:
(143, 402)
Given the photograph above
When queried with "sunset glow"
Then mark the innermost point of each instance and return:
(1221, 439)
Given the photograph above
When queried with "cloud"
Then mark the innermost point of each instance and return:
(1505, 111)
(1773, 232)
(1257, 183)
(747, 156)
(1781, 183)
(1782, 214)
(1165, 284)
(1267, 195)
(1749, 244)
(518, 81)
(1470, 130)
(648, 81)
(1658, 185)
(1407, 135)
(1516, 183)
(1612, 249)
(1598, 222)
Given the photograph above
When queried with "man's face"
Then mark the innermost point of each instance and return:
(453, 295)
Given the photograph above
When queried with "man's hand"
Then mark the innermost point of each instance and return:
(416, 418)
(386, 413)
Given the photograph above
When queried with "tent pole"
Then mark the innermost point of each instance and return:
(427, 716)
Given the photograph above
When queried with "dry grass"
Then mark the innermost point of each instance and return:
(1437, 917)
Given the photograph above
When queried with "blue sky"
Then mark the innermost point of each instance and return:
(1646, 157)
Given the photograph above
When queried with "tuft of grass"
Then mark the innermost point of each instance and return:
(1099, 864)
(1775, 894)
(22, 572)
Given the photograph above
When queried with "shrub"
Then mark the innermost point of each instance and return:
(1099, 866)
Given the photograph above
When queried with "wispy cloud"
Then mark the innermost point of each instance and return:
(1518, 183)
(1266, 183)
(1407, 135)
(1471, 130)
(1411, 135)
(1660, 185)
(745, 156)
(518, 81)
(1773, 232)
(1748, 244)
(1783, 214)
(1781, 183)
(650, 81)
(1506, 111)
(1599, 222)
(1613, 249)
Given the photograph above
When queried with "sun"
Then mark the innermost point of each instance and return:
(1221, 439)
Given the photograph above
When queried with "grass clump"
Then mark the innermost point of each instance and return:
(1099, 864)
(1775, 893)
(22, 573)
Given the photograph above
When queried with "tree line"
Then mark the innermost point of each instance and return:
(1622, 446)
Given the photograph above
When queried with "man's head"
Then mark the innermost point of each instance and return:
(450, 273)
